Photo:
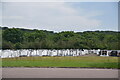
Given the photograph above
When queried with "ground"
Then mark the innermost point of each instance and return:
(68, 61)
(58, 73)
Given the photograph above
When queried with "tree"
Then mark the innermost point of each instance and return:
(16, 38)
(13, 35)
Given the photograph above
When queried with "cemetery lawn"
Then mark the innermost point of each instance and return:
(68, 61)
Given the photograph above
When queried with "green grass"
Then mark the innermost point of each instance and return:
(81, 61)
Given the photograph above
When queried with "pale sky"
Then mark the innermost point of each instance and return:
(61, 16)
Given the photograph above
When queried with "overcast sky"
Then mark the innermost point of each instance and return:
(61, 16)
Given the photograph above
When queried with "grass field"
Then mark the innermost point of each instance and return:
(81, 61)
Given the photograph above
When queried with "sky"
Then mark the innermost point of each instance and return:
(61, 16)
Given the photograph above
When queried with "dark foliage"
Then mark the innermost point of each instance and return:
(16, 38)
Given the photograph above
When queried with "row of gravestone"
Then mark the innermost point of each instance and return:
(45, 52)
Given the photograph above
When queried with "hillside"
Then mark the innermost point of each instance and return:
(18, 38)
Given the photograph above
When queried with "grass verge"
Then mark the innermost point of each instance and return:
(81, 61)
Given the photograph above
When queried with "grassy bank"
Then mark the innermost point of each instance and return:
(82, 61)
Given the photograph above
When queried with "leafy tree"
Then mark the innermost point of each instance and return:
(16, 38)
(13, 35)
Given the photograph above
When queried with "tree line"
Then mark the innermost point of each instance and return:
(18, 38)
